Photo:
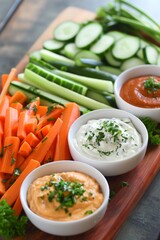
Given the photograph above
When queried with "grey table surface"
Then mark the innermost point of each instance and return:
(26, 25)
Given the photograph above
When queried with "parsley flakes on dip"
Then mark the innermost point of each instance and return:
(108, 139)
(65, 196)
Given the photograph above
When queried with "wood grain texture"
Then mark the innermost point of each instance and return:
(139, 179)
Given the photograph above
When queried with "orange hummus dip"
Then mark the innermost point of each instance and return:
(64, 196)
(142, 91)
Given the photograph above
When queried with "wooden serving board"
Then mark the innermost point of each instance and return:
(138, 179)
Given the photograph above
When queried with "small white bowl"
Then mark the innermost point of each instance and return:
(58, 227)
(142, 70)
(108, 167)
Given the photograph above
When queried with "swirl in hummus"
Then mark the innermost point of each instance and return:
(64, 196)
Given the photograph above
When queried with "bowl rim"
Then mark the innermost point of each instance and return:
(23, 192)
(118, 88)
(104, 162)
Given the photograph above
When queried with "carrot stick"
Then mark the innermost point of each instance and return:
(69, 115)
(51, 117)
(2, 184)
(42, 148)
(11, 121)
(11, 76)
(31, 125)
(43, 131)
(42, 110)
(50, 154)
(23, 118)
(19, 161)
(11, 146)
(1, 127)
(17, 207)
(18, 106)
(3, 107)
(32, 106)
(25, 149)
(18, 97)
(4, 78)
(13, 192)
(32, 139)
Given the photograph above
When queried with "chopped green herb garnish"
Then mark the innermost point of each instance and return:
(124, 184)
(64, 192)
(112, 194)
(13, 160)
(44, 139)
(50, 109)
(88, 212)
(151, 85)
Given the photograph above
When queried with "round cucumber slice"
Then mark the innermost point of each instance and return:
(53, 45)
(150, 54)
(66, 31)
(102, 44)
(132, 62)
(126, 47)
(88, 34)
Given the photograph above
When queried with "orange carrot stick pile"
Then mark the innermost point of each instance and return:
(30, 135)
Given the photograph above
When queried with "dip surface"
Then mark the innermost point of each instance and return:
(64, 196)
(142, 91)
(108, 139)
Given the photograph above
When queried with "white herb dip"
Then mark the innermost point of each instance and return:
(108, 139)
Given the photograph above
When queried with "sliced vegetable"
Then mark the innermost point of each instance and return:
(131, 62)
(126, 47)
(13, 192)
(79, 88)
(69, 115)
(70, 50)
(53, 45)
(88, 34)
(11, 77)
(36, 80)
(52, 57)
(43, 146)
(93, 83)
(150, 54)
(66, 30)
(102, 44)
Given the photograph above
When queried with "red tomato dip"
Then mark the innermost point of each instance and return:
(143, 91)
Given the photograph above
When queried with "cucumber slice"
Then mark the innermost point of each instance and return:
(111, 60)
(150, 54)
(53, 45)
(70, 50)
(132, 62)
(112, 70)
(102, 44)
(140, 54)
(91, 59)
(66, 31)
(88, 34)
(126, 47)
(116, 34)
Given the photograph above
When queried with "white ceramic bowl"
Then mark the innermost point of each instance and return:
(71, 227)
(109, 167)
(142, 70)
